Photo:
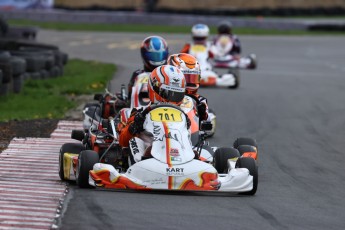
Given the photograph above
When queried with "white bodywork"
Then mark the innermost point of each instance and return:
(172, 165)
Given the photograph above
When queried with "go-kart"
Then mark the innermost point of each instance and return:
(106, 105)
(171, 163)
(209, 77)
(221, 60)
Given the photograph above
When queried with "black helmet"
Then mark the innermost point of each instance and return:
(224, 27)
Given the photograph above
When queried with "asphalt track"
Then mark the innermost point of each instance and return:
(293, 104)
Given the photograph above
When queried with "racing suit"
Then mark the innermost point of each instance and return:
(134, 128)
(134, 79)
(187, 46)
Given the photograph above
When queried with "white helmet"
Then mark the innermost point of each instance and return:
(200, 32)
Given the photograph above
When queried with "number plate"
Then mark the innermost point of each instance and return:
(166, 115)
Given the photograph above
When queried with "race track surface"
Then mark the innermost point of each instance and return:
(293, 104)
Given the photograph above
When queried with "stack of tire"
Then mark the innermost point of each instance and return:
(21, 58)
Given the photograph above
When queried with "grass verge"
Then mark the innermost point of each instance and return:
(52, 98)
(159, 28)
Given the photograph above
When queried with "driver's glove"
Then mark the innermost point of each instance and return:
(137, 125)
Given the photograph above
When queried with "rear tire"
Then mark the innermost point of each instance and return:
(221, 156)
(87, 159)
(250, 164)
(68, 148)
(237, 77)
(245, 141)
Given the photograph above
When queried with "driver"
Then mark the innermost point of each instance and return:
(224, 29)
(190, 67)
(166, 85)
(154, 52)
(200, 33)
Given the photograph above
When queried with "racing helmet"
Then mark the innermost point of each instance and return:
(224, 27)
(154, 52)
(190, 67)
(200, 32)
(167, 84)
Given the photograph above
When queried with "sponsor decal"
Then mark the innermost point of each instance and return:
(174, 152)
(179, 159)
(155, 181)
(134, 146)
(174, 171)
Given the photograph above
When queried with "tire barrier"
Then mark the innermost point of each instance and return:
(22, 58)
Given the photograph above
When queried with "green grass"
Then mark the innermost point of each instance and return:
(158, 28)
(51, 98)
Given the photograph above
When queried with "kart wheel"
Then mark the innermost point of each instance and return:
(250, 164)
(236, 74)
(221, 156)
(245, 141)
(68, 148)
(86, 160)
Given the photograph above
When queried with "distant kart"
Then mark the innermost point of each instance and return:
(170, 164)
(222, 60)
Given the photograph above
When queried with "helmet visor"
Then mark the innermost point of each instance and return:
(192, 78)
(171, 93)
(156, 57)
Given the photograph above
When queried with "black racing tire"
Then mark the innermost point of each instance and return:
(86, 160)
(245, 141)
(18, 65)
(6, 69)
(250, 164)
(16, 44)
(68, 148)
(237, 76)
(18, 82)
(221, 156)
(49, 55)
(35, 61)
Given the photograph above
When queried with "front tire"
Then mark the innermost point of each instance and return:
(250, 164)
(68, 148)
(86, 160)
(221, 156)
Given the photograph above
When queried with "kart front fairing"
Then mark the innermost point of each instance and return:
(172, 166)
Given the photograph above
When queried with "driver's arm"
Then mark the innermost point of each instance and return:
(133, 127)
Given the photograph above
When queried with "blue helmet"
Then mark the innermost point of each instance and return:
(154, 52)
